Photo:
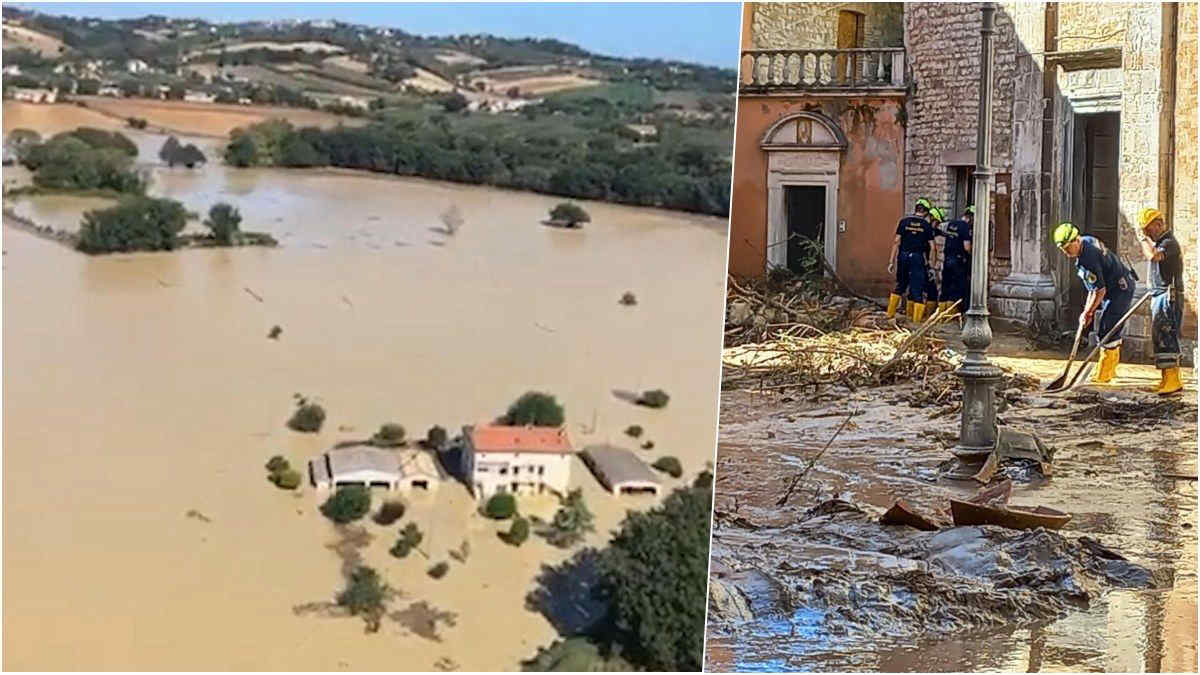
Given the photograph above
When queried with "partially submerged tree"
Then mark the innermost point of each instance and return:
(224, 221)
(390, 512)
(390, 435)
(669, 465)
(536, 408)
(347, 504)
(410, 538)
(633, 431)
(167, 152)
(439, 570)
(572, 522)
(656, 398)
(501, 506)
(435, 438)
(517, 533)
(570, 213)
(308, 417)
(134, 224)
(366, 596)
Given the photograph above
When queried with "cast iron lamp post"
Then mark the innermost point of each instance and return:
(977, 434)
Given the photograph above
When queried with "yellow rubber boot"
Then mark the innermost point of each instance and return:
(944, 306)
(893, 305)
(930, 307)
(919, 311)
(1109, 358)
(1171, 382)
(908, 309)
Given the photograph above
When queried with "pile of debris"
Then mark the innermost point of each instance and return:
(1129, 410)
(800, 334)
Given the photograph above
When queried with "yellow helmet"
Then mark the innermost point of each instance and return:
(1147, 216)
(1064, 234)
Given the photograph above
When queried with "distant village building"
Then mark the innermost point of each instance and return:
(136, 66)
(35, 95)
(354, 102)
(395, 469)
(645, 132)
(849, 112)
(199, 97)
(13, 69)
(621, 471)
(110, 89)
(520, 460)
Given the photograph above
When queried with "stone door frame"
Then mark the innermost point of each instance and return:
(799, 168)
(813, 162)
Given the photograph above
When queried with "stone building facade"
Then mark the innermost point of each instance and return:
(1092, 121)
(1094, 118)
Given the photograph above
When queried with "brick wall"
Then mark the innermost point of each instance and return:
(942, 41)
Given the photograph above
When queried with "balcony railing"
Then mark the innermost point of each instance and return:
(769, 70)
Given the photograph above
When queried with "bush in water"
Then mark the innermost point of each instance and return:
(501, 506)
(390, 512)
(536, 408)
(517, 533)
(656, 398)
(669, 465)
(347, 504)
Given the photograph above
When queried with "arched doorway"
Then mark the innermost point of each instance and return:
(803, 154)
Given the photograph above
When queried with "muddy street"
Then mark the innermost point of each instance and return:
(819, 584)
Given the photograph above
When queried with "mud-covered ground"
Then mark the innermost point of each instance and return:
(819, 584)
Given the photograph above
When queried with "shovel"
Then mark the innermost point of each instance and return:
(1061, 379)
(1086, 366)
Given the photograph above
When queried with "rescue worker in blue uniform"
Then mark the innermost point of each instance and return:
(1109, 284)
(907, 260)
(956, 261)
(1160, 247)
(936, 218)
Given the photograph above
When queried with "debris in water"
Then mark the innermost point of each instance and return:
(628, 299)
(901, 513)
(254, 295)
(1012, 517)
(276, 331)
(193, 513)
(800, 476)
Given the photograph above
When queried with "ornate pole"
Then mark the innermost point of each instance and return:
(979, 376)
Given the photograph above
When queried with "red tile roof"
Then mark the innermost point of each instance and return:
(497, 438)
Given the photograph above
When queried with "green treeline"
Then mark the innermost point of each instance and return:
(607, 166)
(84, 159)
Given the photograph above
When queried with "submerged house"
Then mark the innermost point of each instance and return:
(522, 460)
(394, 469)
(621, 471)
(850, 112)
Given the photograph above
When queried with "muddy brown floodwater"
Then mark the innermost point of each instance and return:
(142, 397)
(828, 588)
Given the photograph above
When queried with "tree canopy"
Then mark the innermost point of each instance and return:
(535, 408)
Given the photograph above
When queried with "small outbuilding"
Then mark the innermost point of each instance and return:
(621, 471)
(375, 467)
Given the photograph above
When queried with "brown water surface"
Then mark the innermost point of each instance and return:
(139, 387)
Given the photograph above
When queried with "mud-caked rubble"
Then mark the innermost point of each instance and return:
(848, 573)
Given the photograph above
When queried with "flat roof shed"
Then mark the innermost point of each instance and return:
(619, 470)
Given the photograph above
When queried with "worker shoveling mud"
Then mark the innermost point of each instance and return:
(818, 439)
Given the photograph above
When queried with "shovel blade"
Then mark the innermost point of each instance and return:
(1059, 381)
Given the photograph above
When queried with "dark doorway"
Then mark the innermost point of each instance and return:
(805, 206)
(1096, 192)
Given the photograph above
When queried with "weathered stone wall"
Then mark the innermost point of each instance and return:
(1185, 217)
(942, 41)
(783, 25)
(1091, 25)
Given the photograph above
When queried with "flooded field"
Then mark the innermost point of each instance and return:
(828, 588)
(141, 388)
